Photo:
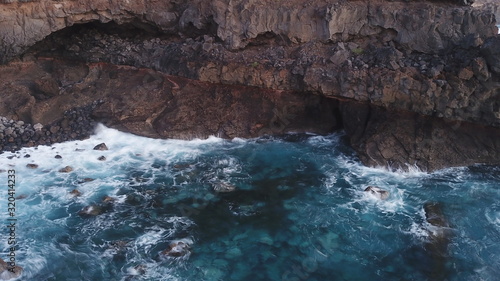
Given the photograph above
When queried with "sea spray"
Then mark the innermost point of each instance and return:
(296, 210)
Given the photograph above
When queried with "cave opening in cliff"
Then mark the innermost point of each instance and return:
(79, 41)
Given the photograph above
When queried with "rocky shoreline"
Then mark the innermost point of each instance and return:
(76, 124)
(393, 74)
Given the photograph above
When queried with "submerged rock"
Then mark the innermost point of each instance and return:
(223, 187)
(7, 272)
(101, 146)
(86, 180)
(75, 192)
(91, 211)
(377, 192)
(101, 158)
(436, 247)
(32, 166)
(66, 169)
(108, 199)
(177, 249)
(435, 217)
(233, 253)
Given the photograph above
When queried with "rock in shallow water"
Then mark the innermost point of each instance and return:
(101, 146)
(377, 192)
(439, 231)
(32, 166)
(91, 211)
(7, 272)
(66, 169)
(75, 193)
(108, 199)
(223, 187)
(177, 249)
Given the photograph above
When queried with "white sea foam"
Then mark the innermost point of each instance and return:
(150, 170)
(151, 238)
(393, 204)
(493, 217)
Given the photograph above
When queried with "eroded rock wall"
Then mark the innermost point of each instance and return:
(420, 26)
(150, 103)
(246, 68)
(491, 5)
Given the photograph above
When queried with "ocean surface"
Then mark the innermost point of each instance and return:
(298, 211)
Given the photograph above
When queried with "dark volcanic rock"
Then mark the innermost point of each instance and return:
(491, 50)
(402, 139)
(75, 193)
(91, 211)
(223, 187)
(436, 247)
(377, 192)
(177, 249)
(66, 169)
(32, 166)
(101, 146)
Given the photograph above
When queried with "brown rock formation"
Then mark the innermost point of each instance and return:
(150, 103)
(428, 28)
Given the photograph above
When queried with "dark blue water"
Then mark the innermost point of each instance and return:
(297, 212)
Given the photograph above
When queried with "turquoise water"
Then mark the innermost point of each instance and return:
(298, 212)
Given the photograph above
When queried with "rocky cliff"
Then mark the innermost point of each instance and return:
(394, 74)
(491, 5)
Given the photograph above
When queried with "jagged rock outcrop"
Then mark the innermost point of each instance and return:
(428, 28)
(492, 5)
(253, 67)
(397, 139)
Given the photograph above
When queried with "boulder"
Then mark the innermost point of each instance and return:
(434, 215)
(75, 193)
(108, 199)
(38, 127)
(32, 166)
(223, 187)
(91, 211)
(66, 169)
(177, 249)
(377, 192)
(8, 272)
(436, 246)
(101, 146)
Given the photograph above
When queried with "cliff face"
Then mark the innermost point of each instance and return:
(491, 5)
(371, 63)
(420, 26)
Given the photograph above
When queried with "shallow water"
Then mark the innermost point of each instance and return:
(298, 212)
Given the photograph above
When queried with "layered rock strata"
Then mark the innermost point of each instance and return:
(416, 65)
